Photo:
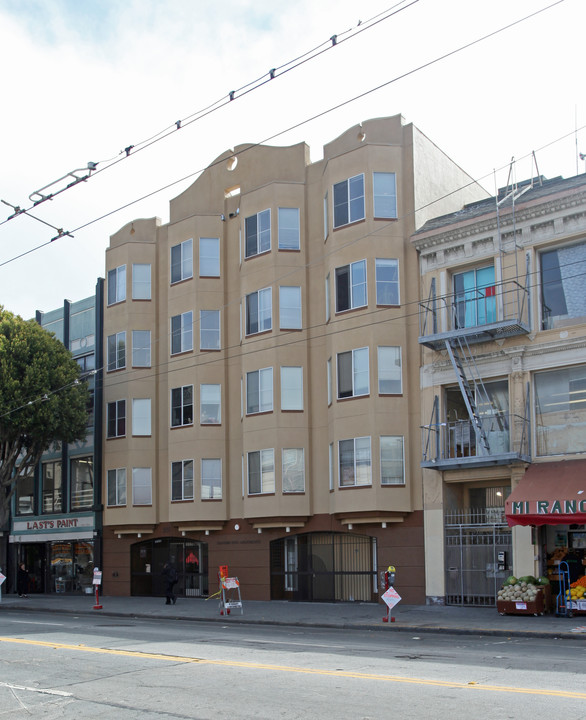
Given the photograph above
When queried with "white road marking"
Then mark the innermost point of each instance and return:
(61, 693)
(33, 622)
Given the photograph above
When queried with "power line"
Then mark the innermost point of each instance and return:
(75, 178)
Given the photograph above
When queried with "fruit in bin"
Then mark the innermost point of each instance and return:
(519, 592)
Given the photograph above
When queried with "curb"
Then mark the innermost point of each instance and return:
(366, 626)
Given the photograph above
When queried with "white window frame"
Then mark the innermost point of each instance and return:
(184, 332)
(290, 307)
(116, 349)
(184, 263)
(289, 228)
(209, 255)
(118, 477)
(348, 195)
(291, 388)
(264, 311)
(329, 380)
(264, 384)
(401, 459)
(262, 237)
(210, 394)
(326, 220)
(142, 483)
(116, 282)
(362, 442)
(266, 467)
(211, 490)
(289, 476)
(357, 356)
(331, 465)
(141, 352)
(141, 287)
(390, 356)
(184, 480)
(384, 198)
(383, 284)
(141, 417)
(182, 394)
(354, 284)
(209, 337)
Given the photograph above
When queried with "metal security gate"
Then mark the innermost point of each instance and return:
(472, 559)
(326, 567)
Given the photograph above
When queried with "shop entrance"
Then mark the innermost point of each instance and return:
(34, 556)
(189, 557)
(324, 567)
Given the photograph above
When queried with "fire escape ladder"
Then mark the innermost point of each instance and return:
(471, 386)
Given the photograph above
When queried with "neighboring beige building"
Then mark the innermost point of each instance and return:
(262, 405)
(503, 327)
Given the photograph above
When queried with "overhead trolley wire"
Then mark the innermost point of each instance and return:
(224, 100)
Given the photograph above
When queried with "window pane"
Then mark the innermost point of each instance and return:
(363, 465)
(254, 473)
(209, 257)
(141, 348)
(346, 462)
(141, 281)
(142, 493)
(250, 225)
(289, 229)
(264, 231)
(356, 196)
(252, 313)
(252, 392)
(290, 307)
(359, 284)
(82, 483)
(188, 479)
(560, 411)
(209, 329)
(389, 371)
(385, 195)
(265, 320)
(211, 478)
(291, 388)
(141, 416)
(210, 404)
(563, 297)
(360, 372)
(268, 470)
(266, 389)
(345, 375)
(293, 470)
(391, 460)
(342, 288)
(340, 204)
(177, 481)
(387, 282)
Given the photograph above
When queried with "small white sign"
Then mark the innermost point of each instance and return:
(391, 597)
(2, 578)
(521, 606)
(97, 577)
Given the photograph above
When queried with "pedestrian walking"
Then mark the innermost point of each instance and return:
(22, 581)
(171, 578)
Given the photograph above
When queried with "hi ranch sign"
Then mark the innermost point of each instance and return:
(549, 494)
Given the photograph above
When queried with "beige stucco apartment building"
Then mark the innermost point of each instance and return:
(261, 379)
(503, 378)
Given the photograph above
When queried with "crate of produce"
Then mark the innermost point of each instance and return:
(522, 607)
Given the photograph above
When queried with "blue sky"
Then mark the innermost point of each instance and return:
(82, 80)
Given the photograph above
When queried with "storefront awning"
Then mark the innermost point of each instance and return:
(549, 494)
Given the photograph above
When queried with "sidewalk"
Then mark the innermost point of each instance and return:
(363, 616)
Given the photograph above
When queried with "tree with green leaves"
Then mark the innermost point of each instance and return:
(42, 400)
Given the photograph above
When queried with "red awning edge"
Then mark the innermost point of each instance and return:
(552, 493)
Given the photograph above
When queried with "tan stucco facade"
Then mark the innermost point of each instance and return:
(240, 184)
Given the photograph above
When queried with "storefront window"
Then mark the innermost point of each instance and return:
(82, 483)
(72, 566)
(52, 494)
(560, 411)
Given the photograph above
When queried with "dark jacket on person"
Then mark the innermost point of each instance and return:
(22, 581)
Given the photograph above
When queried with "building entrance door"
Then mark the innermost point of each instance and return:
(472, 561)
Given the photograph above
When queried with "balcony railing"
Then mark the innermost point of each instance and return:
(450, 445)
(479, 314)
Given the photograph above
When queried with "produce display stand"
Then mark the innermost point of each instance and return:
(522, 607)
(541, 605)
